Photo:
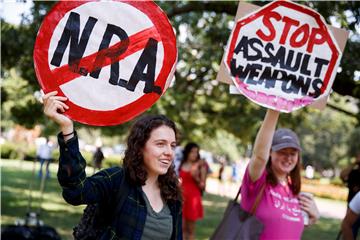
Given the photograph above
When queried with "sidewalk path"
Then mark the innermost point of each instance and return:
(328, 208)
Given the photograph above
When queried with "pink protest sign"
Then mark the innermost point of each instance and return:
(282, 56)
(111, 59)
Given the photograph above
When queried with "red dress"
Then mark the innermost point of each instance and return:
(192, 206)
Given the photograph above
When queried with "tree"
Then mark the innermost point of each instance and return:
(353, 143)
(324, 138)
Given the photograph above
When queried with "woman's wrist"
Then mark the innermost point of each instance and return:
(313, 217)
(67, 132)
(313, 220)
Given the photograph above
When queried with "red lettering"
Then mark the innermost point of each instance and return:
(304, 29)
(288, 23)
(314, 39)
(298, 38)
(267, 22)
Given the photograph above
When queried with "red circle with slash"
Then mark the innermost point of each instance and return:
(52, 79)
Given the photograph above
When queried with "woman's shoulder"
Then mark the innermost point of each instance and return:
(261, 180)
(113, 170)
(113, 173)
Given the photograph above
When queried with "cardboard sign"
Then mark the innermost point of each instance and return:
(112, 60)
(281, 56)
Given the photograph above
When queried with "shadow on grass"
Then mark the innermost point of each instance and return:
(326, 228)
(15, 194)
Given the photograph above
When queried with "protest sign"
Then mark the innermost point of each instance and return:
(111, 59)
(281, 56)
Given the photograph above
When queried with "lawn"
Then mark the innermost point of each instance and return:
(16, 177)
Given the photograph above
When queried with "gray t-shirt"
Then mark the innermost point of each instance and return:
(158, 225)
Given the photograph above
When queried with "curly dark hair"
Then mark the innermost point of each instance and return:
(187, 149)
(134, 162)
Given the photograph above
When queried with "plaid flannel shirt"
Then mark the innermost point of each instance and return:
(103, 186)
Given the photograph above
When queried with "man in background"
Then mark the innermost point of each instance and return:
(44, 155)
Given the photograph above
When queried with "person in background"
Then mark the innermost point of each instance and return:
(192, 184)
(44, 155)
(274, 169)
(221, 171)
(235, 172)
(309, 172)
(352, 215)
(178, 158)
(205, 170)
(221, 177)
(152, 208)
(351, 176)
(98, 158)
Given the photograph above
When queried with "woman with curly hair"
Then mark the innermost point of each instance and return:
(152, 208)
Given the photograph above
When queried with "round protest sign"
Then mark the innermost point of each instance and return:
(282, 56)
(112, 59)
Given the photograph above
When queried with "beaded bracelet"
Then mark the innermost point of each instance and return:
(65, 135)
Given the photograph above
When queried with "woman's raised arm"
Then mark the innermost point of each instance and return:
(54, 106)
(262, 145)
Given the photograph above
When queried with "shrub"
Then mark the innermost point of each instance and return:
(10, 150)
(7, 150)
(56, 155)
(88, 157)
(337, 181)
(323, 190)
(30, 153)
(112, 161)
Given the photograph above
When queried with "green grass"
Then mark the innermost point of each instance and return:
(17, 175)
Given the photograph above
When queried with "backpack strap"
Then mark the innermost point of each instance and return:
(237, 195)
(258, 199)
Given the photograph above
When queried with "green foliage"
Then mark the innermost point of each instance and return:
(337, 181)
(56, 155)
(20, 105)
(354, 143)
(226, 144)
(30, 153)
(324, 138)
(8, 151)
(88, 157)
(109, 161)
(112, 161)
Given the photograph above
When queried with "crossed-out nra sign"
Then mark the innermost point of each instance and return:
(282, 56)
(111, 59)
